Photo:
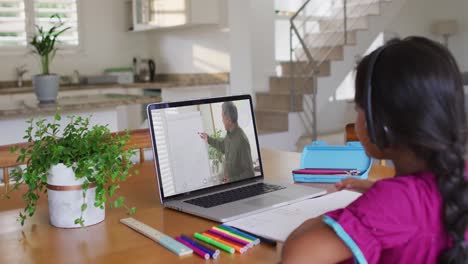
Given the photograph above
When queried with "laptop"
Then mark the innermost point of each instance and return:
(208, 161)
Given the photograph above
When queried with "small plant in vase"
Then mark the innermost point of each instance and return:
(216, 156)
(80, 171)
(46, 85)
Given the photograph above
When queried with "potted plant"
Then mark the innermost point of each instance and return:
(216, 156)
(79, 170)
(46, 85)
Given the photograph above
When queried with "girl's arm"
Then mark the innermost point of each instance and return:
(354, 184)
(314, 242)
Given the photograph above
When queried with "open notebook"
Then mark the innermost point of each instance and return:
(278, 223)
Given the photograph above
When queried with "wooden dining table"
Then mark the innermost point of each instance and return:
(112, 242)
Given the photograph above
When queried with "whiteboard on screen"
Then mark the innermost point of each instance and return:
(188, 152)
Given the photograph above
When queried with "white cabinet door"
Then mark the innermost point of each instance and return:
(204, 11)
(23, 97)
(154, 14)
(116, 90)
(171, 13)
(5, 98)
(81, 92)
(193, 92)
(135, 91)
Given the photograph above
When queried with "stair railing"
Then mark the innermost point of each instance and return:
(310, 18)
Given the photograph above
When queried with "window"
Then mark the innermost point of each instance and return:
(12, 23)
(19, 17)
(66, 9)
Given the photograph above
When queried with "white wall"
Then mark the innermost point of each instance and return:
(190, 50)
(413, 18)
(240, 47)
(417, 16)
(252, 46)
(196, 49)
(332, 113)
(262, 26)
(104, 38)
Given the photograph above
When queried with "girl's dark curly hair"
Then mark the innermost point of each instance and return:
(418, 101)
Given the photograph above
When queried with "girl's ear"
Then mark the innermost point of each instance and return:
(371, 149)
(361, 130)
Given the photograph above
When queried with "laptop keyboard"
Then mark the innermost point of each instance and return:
(234, 195)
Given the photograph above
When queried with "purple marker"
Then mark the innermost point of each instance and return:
(213, 253)
(197, 251)
(232, 239)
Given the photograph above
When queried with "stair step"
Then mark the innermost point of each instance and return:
(302, 85)
(272, 120)
(323, 53)
(337, 25)
(304, 68)
(358, 2)
(326, 39)
(358, 10)
(279, 101)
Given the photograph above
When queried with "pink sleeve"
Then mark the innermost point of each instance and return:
(381, 218)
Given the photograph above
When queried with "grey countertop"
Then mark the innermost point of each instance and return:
(28, 108)
(165, 81)
(29, 89)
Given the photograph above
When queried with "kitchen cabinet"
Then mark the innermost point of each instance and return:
(114, 90)
(158, 14)
(17, 125)
(5, 99)
(193, 92)
(78, 92)
(23, 97)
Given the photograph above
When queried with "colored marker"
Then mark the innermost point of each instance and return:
(214, 253)
(230, 238)
(232, 234)
(237, 248)
(327, 171)
(197, 251)
(214, 243)
(264, 240)
(255, 239)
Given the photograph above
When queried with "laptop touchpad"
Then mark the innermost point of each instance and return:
(265, 201)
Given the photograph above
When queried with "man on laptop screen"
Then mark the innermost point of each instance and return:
(208, 160)
(234, 146)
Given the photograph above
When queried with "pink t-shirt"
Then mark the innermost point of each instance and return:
(398, 220)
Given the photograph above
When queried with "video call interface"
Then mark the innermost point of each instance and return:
(205, 145)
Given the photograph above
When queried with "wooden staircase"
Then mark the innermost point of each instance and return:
(273, 107)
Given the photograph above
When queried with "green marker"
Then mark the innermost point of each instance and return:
(213, 242)
(220, 229)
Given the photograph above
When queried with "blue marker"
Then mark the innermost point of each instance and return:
(213, 253)
(255, 240)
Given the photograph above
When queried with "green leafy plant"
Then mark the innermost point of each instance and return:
(94, 154)
(44, 41)
(214, 154)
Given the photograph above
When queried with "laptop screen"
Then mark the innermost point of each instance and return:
(204, 143)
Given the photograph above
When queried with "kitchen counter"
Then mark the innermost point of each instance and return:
(29, 108)
(163, 81)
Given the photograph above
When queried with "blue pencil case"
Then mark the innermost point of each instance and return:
(320, 155)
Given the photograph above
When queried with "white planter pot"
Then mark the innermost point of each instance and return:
(65, 196)
(46, 88)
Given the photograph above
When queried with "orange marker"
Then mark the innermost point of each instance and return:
(227, 243)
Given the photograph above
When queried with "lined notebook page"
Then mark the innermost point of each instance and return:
(278, 223)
